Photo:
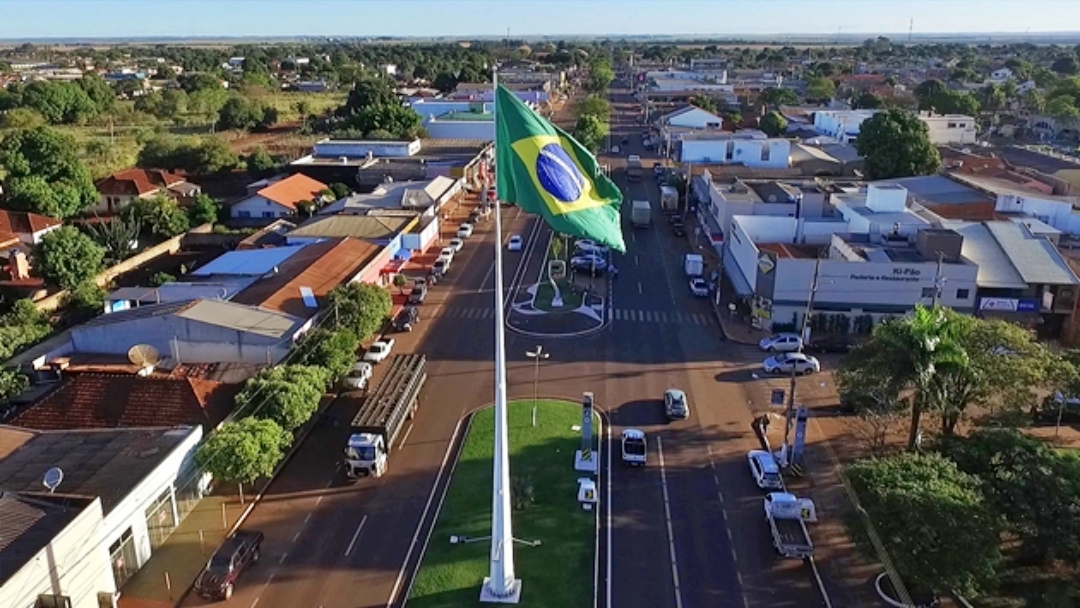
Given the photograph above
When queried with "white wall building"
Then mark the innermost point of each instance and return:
(843, 125)
(692, 117)
(746, 149)
(950, 128)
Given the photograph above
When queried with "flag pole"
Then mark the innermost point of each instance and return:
(500, 586)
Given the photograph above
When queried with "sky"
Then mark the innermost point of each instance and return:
(20, 19)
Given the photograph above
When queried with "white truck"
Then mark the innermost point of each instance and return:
(633, 168)
(382, 415)
(669, 198)
(633, 448)
(641, 214)
(787, 516)
(694, 265)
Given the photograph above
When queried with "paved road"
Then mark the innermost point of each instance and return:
(334, 544)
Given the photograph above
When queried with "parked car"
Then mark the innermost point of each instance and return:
(514, 243)
(589, 262)
(780, 343)
(406, 318)
(658, 169)
(765, 470)
(358, 377)
(626, 141)
(464, 231)
(590, 246)
(782, 364)
(455, 245)
(829, 344)
(440, 266)
(419, 292)
(676, 407)
(678, 228)
(235, 554)
(379, 350)
(615, 149)
(699, 287)
(447, 252)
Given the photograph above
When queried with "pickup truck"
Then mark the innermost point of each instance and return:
(222, 571)
(379, 350)
(787, 516)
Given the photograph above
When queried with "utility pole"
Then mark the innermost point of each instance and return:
(536, 355)
(789, 415)
(938, 279)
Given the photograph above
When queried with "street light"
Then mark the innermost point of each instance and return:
(536, 355)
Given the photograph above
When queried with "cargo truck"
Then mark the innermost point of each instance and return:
(787, 516)
(633, 168)
(669, 199)
(641, 214)
(382, 415)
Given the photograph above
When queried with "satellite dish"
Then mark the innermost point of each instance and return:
(52, 478)
(143, 355)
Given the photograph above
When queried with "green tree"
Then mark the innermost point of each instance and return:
(245, 114)
(22, 118)
(287, 394)
(45, 174)
(259, 162)
(86, 299)
(174, 103)
(119, 236)
(868, 101)
(332, 350)
(12, 382)
(927, 90)
(362, 308)
(594, 105)
(396, 119)
(161, 278)
(199, 81)
(774, 97)
(67, 257)
(1063, 109)
(198, 156)
(1029, 484)
(367, 93)
(600, 77)
(1066, 65)
(99, 92)
(955, 102)
(820, 89)
(704, 102)
(160, 215)
(303, 109)
(932, 520)
(773, 124)
(203, 210)
(244, 450)
(445, 82)
(590, 131)
(340, 190)
(895, 143)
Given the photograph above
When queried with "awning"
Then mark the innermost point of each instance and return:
(392, 267)
(735, 275)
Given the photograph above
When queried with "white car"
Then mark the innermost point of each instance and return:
(464, 231)
(455, 245)
(514, 244)
(676, 406)
(589, 262)
(764, 468)
(358, 377)
(615, 149)
(699, 287)
(447, 252)
(589, 246)
(780, 343)
(379, 350)
(784, 362)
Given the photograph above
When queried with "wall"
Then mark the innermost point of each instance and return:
(768, 229)
(741, 249)
(359, 149)
(258, 207)
(1058, 214)
(747, 152)
(190, 341)
(428, 108)
(962, 132)
(76, 558)
(422, 239)
(696, 119)
(131, 510)
(460, 129)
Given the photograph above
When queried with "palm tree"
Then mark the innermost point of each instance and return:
(921, 346)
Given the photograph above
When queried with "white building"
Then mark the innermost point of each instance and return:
(123, 493)
(692, 117)
(721, 201)
(279, 198)
(461, 125)
(746, 148)
(842, 125)
(950, 128)
(1000, 75)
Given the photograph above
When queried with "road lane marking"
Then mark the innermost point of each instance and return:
(636, 260)
(639, 287)
(296, 536)
(307, 519)
(283, 556)
(326, 487)
(667, 517)
(355, 535)
(256, 602)
(270, 578)
(423, 516)
(406, 437)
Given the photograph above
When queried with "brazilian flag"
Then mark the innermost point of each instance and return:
(543, 170)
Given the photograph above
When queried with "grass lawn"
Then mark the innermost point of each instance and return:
(571, 296)
(556, 574)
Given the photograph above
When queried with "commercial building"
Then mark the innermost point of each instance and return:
(368, 164)
(947, 129)
(122, 493)
(745, 148)
(461, 125)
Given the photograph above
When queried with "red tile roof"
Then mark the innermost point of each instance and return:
(23, 222)
(113, 400)
(137, 182)
(292, 190)
(321, 266)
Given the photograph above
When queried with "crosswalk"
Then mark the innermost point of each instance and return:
(662, 317)
(458, 312)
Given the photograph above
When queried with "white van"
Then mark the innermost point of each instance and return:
(633, 448)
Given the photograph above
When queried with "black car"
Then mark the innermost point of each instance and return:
(830, 344)
(406, 318)
(626, 141)
(678, 228)
(418, 293)
(222, 571)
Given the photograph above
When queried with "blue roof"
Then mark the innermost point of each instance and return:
(250, 262)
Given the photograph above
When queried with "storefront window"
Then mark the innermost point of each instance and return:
(123, 558)
(159, 519)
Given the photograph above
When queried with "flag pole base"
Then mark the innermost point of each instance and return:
(488, 595)
(587, 465)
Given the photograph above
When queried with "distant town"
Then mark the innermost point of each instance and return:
(248, 321)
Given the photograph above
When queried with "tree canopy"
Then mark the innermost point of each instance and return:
(362, 308)
(202, 156)
(895, 143)
(286, 394)
(773, 124)
(590, 131)
(160, 215)
(246, 114)
(243, 451)
(773, 97)
(332, 350)
(67, 257)
(820, 89)
(45, 174)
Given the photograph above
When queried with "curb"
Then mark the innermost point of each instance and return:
(304, 432)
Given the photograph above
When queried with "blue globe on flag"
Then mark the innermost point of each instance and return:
(559, 175)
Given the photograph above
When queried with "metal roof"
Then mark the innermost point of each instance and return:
(364, 227)
(30, 522)
(980, 246)
(239, 317)
(938, 189)
(104, 463)
(247, 262)
(1035, 258)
